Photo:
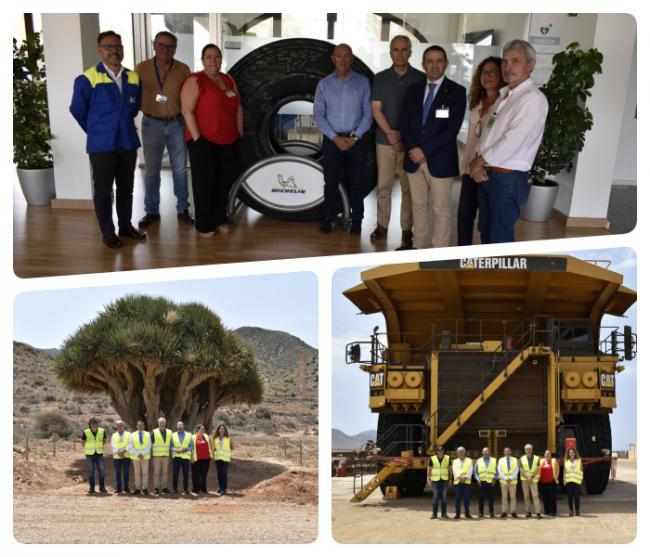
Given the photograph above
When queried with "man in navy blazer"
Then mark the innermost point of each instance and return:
(431, 116)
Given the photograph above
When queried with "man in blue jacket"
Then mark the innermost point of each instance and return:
(105, 101)
(431, 116)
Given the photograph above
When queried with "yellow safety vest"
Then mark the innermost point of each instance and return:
(194, 455)
(120, 444)
(184, 445)
(489, 472)
(466, 464)
(439, 470)
(135, 441)
(160, 447)
(526, 472)
(94, 444)
(222, 451)
(573, 473)
(503, 468)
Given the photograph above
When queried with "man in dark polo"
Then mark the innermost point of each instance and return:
(343, 115)
(388, 90)
(163, 126)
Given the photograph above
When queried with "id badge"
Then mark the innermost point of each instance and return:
(230, 93)
(160, 98)
(442, 113)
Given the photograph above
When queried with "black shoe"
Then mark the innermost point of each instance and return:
(102, 490)
(577, 513)
(539, 516)
(467, 515)
(175, 491)
(112, 242)
(504, 515)
(407, 240)
(378, 233)
(132, 232)
(457, 517)
(445, 516)
(185, 217)
(185, 492)
(145, 492)
(514, 515)
(118, 491)
(91, 491)
(156, 491)
(148, 219)
(204, 491)
(434, 516)
(570, 513)
(136, 492)
(528, 515)
(491, 515)
(166, 491)
(326, 227)
(480, 515)
(355, 228)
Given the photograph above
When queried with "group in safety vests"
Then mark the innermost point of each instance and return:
(538, 476)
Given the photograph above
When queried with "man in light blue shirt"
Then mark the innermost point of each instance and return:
(343, 114)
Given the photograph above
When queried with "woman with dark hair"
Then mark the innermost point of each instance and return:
(573, 479)
(549, 472)
(223, 447)
(483, 93)
(201, 457)
(214, 120)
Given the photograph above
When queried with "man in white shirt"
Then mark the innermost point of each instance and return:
(462, 470)
(509, 145)
(508, 469)
(120, 441)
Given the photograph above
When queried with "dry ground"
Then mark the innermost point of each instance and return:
(607, 518)
(272, 500)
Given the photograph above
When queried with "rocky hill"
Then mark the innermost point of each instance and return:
(343, 442)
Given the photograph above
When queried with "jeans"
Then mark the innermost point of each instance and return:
(499, 201)
(222, 475)
(573, 491)
(156, 135)
(177, 464)
(486, 489)
(461, 491)
(346, 167)
(122, 466)
(439, 489)
(467, 208)
(91, 462)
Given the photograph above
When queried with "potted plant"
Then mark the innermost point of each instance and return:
(567, 122)
(32, 149)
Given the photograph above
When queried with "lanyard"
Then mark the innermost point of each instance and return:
(161, 82)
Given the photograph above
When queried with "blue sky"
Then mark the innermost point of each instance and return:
(285, 302)
(350, 385)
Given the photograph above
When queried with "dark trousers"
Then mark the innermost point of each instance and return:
(200, 475)
(548, 493)
(214, 169)
(343, 167)
(177, 465)
(91, 462)
(222, 475)
(467, 208)
(109, 167)
(439, 489)
(573, 491)
(485, 489)
(122, 466)
(461, 491)
(499, 202)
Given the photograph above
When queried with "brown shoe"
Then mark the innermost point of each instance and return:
(407, 240)
(378, 233)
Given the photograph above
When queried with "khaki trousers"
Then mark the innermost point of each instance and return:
(508, 488)
(389, 163)
(141, 470)
(160, 471)
(530, 492)
(423, 185)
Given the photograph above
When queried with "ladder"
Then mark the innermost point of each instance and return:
(392, 467)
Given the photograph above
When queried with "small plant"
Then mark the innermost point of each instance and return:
(50, 398)
(24, 409)
(38, 382)
(47, 423)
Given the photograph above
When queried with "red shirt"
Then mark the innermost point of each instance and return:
(216, 110)
(202, 448)
(546, 472)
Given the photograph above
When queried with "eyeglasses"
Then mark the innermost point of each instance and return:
(489, 73)
(111, 47)
(170, 47)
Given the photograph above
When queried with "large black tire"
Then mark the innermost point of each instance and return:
(596, 435)
(411, 482)
(270, 77)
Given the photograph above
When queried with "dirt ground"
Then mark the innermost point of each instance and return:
(270, 500)
(607, 518)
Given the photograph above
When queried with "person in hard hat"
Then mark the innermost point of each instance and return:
(462, 470)
(508, 470)
(201, 458)
(549, 472)
(573, 480)
(140, 450)
(222, 453)
(485, 472)
(529, 471)
(438, 478)
(121, 459)
(93, 440)
(161, 439)
(182, 448)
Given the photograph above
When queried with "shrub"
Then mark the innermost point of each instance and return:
(24, 409)
(47, 423)
(50, 398)
(38, 382)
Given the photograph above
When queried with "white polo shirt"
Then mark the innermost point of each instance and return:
(515, 128)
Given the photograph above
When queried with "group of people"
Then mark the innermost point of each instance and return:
(418, 117)
(141, 448)
(539, 477)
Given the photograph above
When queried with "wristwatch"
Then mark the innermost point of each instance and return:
(354, 136)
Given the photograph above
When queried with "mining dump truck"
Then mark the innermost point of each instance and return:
(497, 351)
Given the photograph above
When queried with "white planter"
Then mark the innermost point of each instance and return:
(541, 200)
(37, 185)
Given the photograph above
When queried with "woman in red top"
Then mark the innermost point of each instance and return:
(214, 120)
(548, 478)
(201, 457)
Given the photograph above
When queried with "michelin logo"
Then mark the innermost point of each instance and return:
(287, 185)
(496, 263)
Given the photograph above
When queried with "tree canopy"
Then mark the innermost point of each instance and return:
(154, 357)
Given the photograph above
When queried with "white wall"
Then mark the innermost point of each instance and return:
(506, 26)
(625, 168)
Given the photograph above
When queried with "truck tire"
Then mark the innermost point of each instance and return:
(411, 482)
(596, 434)
(272, 76)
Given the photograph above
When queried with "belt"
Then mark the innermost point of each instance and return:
(164, 118)
(498, 169)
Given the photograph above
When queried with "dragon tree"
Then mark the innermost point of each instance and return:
(154, 358)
